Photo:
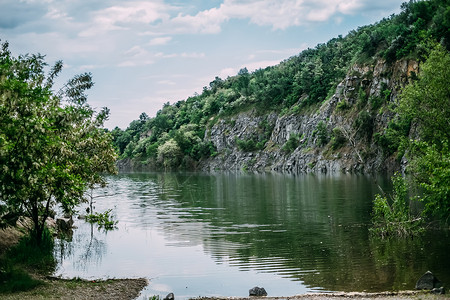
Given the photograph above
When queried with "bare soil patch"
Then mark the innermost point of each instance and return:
(76, 289)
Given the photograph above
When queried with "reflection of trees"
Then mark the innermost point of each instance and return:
(308, 228)
(92, 248)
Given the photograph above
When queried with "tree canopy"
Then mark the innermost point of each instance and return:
(427, 102)
(52, 143)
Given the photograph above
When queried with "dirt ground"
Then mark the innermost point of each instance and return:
(8, 237)
(404, 295)
(77, 290)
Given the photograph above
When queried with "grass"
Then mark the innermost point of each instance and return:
(29, 254)
(23, 257)
(13, 279)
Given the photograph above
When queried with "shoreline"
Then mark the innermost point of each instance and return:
(407, 294)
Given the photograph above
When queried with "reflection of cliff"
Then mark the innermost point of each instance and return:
(308, 228)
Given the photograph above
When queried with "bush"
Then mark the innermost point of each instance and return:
(393, 218)
(169, 154)
(375, 102)
(394, 135)
(13, 279)
(250, 145)
(31, 254)
(432, 172)
(291, 144)
(342, 105)
(338, 139)
(362, 98)
(103, 220)
(322, 133)
(364, 124)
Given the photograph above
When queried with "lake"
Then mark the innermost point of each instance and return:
(197, 234)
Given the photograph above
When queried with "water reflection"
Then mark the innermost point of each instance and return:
(209, 232)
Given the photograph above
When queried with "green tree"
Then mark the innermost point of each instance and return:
(322, 133)
(170, 154)
(53, 146)
(427, 102)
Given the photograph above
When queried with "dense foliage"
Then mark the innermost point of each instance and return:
(52, 144)
(174, 137)
(426, 102)
(391, 213)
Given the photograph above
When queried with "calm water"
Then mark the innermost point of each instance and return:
(222, 234)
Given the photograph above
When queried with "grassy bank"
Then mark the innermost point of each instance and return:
(25, 272)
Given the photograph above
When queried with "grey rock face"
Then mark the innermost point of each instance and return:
(359, 153)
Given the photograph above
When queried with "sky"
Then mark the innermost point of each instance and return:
(143, 54)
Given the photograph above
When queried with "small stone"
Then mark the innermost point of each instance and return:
(64, 224)
(257, 291)
(170, 296)
(438, 291)
(428, 282)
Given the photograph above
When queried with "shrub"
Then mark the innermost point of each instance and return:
(291, 144)
(394, 136)
(393, 218)
(13, 279)
(364, 124)
(30, 253)
(322, 133)
(338, 139)
(103, 220)
(375, 102)
(342, 105)
(250, 144)
(362, 98)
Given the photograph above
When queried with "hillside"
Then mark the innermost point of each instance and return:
(331, 108)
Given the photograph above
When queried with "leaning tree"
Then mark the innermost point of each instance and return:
(53, 146)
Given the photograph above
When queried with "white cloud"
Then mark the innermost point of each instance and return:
(122, 17)
(192, 55)
(136, 56)
(278, 14)
(57, 14)
(166, 82)
(224, 73)
(160, 41)
(207, 21)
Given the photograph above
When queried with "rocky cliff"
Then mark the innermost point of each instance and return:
(334, 137)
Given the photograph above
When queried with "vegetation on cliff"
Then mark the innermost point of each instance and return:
(175, 137)
(426, 102)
